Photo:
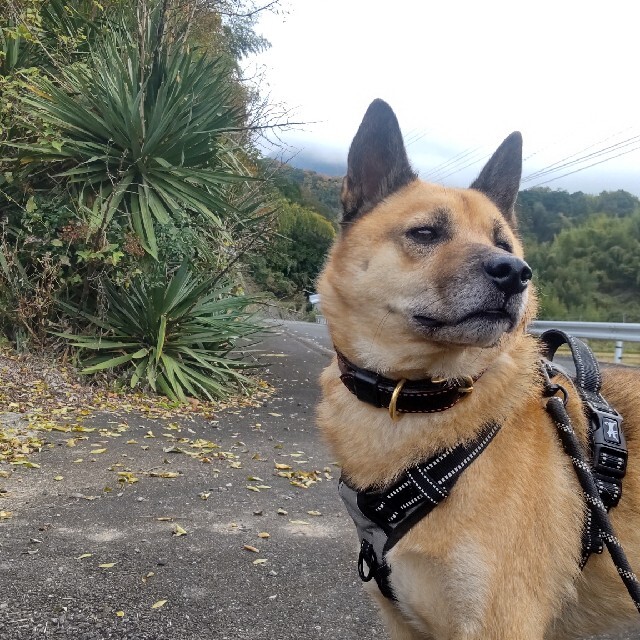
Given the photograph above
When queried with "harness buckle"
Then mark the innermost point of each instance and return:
(609, 446)
(368, 555)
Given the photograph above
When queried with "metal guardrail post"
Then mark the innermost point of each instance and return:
(617, 357)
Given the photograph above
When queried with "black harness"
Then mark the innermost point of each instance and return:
(382, 518)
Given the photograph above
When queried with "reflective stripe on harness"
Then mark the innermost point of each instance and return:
(607, 446)
(383, 517)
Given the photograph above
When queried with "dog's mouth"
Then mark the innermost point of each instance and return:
(486, 315)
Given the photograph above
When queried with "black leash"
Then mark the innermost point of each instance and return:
(572, 447)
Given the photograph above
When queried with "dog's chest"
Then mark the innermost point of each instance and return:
(440, 594)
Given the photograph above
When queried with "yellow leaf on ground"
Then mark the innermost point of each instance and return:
(120, 614)
(252, 488)
(84, 555)
(281, 466)
(58, 478)
(5, 515)
(94, 451)
(314, 513)
(107, 565)
(251, 548)
(178, 530)
(300, 522)
(157, 605)
(260, 561)
(263, 534)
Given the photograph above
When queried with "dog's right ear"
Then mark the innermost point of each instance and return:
(377, 164)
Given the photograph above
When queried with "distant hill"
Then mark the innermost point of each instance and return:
(307, 188)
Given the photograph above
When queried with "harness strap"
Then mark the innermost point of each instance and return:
(607, 444)
(574, 450)
(383, 517)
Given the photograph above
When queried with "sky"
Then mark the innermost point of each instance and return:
(460, 76)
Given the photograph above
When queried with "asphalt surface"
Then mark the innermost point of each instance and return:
(300, 582)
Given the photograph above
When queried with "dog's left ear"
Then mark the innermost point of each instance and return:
(377, 164)
(500, 178)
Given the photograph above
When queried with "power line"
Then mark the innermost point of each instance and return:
(587, 167)
(448, 164)
(561, 164)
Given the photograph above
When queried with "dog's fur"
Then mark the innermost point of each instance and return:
(404, 292)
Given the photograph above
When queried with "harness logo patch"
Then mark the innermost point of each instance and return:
(612, 433)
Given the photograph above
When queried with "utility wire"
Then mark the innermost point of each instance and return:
(561, 164)
(452, 162)
(583, 168)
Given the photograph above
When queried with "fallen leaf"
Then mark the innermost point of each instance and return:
(204, 496)
(120, 614)
(84, 555)
(94, 451)
(282, 512)
(164, 519)
(5, 515)
(314, 513)
(263, 534)
(275, 415)
(248, 547)
(178, 530)
(260, 561)
(300, 522)
(157, 605)
(281, 466)
(252, 488)
(107, 565)
(58, 478)
(164, 474)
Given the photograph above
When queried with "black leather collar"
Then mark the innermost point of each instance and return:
(411, 396)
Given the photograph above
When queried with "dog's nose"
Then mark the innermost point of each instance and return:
(509, 273)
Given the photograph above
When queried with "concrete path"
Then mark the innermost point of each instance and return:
(179, 538)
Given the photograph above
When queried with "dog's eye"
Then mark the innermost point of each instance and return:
(505, 246)
(424, 235)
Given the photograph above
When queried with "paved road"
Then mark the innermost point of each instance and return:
(305, 585)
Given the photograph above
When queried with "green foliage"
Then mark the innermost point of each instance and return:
(296, 254)
(309, 189)
(139, 133)
(591, 271)
(174, 336)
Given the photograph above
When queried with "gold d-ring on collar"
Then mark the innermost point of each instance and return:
(395, 416)
(468, 385)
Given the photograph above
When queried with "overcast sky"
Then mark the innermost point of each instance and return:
(461, 76)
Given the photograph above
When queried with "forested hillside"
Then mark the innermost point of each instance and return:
(584, 249)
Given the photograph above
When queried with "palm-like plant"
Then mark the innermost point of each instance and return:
(141, 131)
(174, 337)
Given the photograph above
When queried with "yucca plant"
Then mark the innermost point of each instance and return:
(142, 128)
(174, 337)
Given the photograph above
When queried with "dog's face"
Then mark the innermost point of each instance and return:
(419, 270)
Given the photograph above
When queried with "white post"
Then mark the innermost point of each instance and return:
(617, 358)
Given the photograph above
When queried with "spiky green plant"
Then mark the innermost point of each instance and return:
(141, 127)
(175, 337)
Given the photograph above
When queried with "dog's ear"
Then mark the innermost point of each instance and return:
(500, 178)
(377, 164)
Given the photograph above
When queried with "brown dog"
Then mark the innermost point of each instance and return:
(429, 282)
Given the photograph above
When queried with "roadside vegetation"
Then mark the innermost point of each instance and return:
(131, 197)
